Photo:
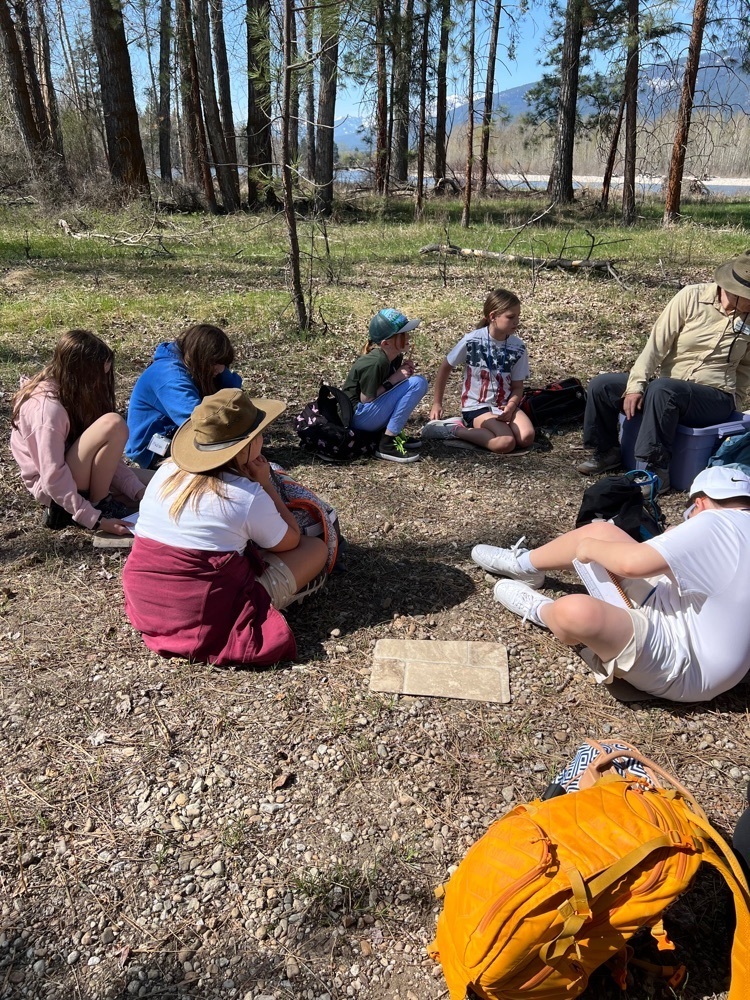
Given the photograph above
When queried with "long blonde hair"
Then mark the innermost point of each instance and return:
(188, 488)
(86, 392)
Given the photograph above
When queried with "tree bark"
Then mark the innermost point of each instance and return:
(286, 170)
(258, 97)
(381, 113)
(419, 204)
(441, 105)
(612, 155)
(631, 116)
(127, 164)
(22, 100)
(194, 130)
(560, 187)
(223, 80)
(466, 213)
(309, 96)
(329, 56)
(684, 115)
(489, 88)
(294, 96)
(228, 183)
(165, 93)
(402, 77)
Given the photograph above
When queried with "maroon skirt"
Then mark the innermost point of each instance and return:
(205, 606)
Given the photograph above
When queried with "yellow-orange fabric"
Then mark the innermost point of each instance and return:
(554, 889)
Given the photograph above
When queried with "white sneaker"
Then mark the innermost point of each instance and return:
(441, 430)
(521, 600)
(504, 562)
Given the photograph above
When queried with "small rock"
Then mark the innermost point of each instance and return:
(39, 967)
(73, 957)
(292, 968)
(365, 947)
(218, 867)
(509, 793)
(347, 836)
(107, 936)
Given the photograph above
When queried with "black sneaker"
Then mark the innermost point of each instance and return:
(56, 517)
(410, 443)
(392, 450)
(112, 508)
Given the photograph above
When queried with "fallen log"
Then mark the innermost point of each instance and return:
(564, 263)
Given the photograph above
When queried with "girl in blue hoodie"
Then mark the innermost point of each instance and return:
(181, 374)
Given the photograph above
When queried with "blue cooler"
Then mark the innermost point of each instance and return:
(693, 446)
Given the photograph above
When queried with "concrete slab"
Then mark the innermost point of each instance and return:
(475, 671)
(104, 541)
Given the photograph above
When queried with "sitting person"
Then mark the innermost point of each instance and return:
(181, 374)
(68, 440)
(701, 346)
(495, 366)
(217, 554)
(384, 387)
(687, 637)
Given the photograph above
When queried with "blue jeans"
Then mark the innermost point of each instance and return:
(390, 411)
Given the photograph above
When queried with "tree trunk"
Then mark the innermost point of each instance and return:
(381, 114)
(466, 214)
(165, 113)
(286, 170)
(228, 182)
(631, 116)
(26, 120)
(49, 95)
(677, 163)
(309, 96)
(560, 188)
(23, 30)
(441, 106)
(194, 131)
(612, 156)
(294, 96)
(329, 56)
(223, 80)
(127, 165)
(258, 97)
(402, 78)
(489, 88)
(419, 204)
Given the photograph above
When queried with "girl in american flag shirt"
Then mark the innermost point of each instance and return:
(495, 366)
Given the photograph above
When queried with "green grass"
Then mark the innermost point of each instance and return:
(233, 271)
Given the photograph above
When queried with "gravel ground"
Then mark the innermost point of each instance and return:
(172, 830)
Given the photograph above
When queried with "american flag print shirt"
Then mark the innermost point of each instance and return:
(490, 368)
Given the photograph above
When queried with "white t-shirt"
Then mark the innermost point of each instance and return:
(706, 613)
(491, 366)
(247, 514)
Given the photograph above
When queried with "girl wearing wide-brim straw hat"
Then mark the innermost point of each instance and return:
(217, 555)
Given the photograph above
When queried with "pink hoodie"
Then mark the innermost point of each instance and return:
(38, 446)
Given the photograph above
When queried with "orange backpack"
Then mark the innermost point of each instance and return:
(554, 889)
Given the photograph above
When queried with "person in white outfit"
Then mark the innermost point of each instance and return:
(687, 636)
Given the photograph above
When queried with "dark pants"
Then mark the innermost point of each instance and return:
(667, 402)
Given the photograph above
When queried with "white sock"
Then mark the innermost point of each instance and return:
(534, 613)
(525, 564)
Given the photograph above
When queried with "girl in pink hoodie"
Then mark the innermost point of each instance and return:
(68, 441)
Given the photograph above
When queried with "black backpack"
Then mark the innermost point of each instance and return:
(629, 501)
(556, 403)
(324, 427)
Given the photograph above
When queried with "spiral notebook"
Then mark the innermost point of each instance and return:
(601, 584)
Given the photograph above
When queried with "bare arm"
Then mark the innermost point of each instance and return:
(622, 558)
(513, 401)
(441, 380)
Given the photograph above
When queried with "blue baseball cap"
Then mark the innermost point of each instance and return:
(388, 323)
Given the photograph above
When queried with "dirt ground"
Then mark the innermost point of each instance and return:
(172, 830)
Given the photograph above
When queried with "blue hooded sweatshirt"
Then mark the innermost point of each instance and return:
(163, 398)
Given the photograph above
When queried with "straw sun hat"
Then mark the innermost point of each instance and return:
(220, 427)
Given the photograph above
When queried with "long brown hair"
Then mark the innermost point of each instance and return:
(203, 346)
(498, 300)
(80, 382)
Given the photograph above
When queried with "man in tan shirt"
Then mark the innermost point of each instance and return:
(701, 346)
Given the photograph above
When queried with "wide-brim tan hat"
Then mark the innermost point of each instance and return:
(734, 276)
(220, 427)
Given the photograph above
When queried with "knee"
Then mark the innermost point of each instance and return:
(526, 438)
(318, 552)
(418, 385)
(501, 445)
(572, 618)
(112, 427)
(600, 386)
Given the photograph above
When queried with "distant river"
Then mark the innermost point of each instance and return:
(729, 186)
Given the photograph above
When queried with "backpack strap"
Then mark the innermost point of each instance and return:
(718, 853)
(576, 912)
